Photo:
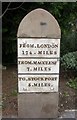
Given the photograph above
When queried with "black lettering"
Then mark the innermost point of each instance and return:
(35, 68)
(40, 52)
(23, 52)
(35, 84)
(28, 68)
(20, 45)
(29, 84)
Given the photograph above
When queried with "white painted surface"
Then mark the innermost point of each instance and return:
(38, 58)
(38, 83)
(41, 66)
(32, 46)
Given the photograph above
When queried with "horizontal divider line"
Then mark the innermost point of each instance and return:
(38, 73)
(38, 57)
(38, 37)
